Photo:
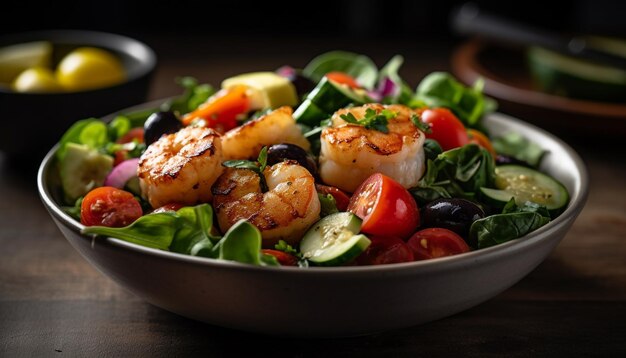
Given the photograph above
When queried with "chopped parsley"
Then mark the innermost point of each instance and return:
(372, 120)
(424, 127)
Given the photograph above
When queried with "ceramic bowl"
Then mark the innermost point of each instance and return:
(32, 122)
(328, 302)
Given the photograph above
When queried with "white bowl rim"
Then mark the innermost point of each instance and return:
(577, 201)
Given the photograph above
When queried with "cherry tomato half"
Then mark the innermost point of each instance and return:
(108, 206)
(478, 137)
(385, 250)
(283, 258)
(133, 134)
(436, 242)
(385, 206)
(343, 78)
(341, 198)
(445, 128)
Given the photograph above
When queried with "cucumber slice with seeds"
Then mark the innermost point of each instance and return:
(333, 240)
(525, 184)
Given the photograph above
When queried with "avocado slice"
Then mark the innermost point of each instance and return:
(266, 89)
(82, 169)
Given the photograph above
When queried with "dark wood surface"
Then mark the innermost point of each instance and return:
(52, 303)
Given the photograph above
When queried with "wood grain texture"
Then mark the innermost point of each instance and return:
(52, 303)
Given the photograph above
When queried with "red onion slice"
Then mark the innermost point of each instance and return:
(122, 173)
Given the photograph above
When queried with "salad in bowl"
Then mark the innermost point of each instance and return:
(337, 164)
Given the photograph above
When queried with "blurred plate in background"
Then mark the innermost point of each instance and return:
(508, 80)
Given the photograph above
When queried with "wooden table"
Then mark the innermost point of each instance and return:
(53, 303)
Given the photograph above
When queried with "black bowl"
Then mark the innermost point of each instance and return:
(32, 122)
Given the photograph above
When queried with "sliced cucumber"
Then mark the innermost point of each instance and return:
(525, 184)
(495, 197)
(567, 76)
(333, 240)
(309, 113)
(325, 99)
(82, 169)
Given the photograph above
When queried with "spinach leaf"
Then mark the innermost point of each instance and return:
(517, 146)
(514, 222)
(432, 149)
(195, 225)
(152, 230)
(180, 231)
(459, 172)
(440, 89)
(361, 67)
(242, 243)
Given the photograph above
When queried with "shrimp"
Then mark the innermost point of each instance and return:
(350, 153)
(181, 167)
(278, 126)
(284, 212)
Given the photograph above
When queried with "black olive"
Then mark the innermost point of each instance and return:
(502, 159)
(452, 214)
(160, 123)
(302, 84)
(285, 151)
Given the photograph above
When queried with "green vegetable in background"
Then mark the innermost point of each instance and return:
(517, 146)
(440, 89)
(459, 172)
(513, 223)
(194, 95)
(390, 71)
(361, 67)
(119, 126)
(75, 134)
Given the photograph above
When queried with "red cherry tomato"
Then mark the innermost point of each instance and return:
(385, 206)
(119, 157)
(343, 78)
(108, 206)
(341, 198)
(283, 258)
(168, 208)
(436, 242)
(445, 128)
(133, 134)
(385, 250)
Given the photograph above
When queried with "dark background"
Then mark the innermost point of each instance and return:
(411, 20)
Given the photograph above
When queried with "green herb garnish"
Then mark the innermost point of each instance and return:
(372, 120)
(257, 166)
(424, 127)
